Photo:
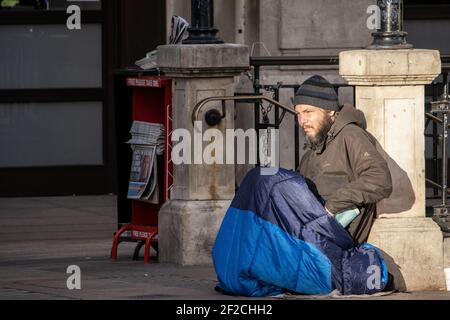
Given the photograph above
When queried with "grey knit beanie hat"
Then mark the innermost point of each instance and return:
(318, 92)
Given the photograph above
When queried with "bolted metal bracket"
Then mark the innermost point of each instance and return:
(442, 106)
(441, 215)
(213, 117)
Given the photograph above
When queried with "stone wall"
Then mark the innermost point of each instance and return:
(289, 27)
(302, 28)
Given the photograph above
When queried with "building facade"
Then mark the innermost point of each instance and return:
(56, 84)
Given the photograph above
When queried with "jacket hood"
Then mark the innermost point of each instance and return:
(347, 115)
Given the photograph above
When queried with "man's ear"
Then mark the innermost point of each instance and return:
(333, 115)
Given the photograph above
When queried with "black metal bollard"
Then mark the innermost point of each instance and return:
(202, 29)
(390, 35)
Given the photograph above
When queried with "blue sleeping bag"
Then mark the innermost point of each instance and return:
(277, 237)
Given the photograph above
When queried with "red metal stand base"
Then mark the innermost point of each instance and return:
(143, 233)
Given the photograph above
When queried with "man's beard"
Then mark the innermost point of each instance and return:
(321, 135)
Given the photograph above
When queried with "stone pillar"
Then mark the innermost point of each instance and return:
(201, 193)
(390, 92)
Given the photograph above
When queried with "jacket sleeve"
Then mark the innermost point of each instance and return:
(373, 180)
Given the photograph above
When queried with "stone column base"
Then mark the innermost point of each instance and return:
(188, 229)
(414, 251)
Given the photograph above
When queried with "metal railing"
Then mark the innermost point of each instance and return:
(261, 113)
(259, 62)
(213, 116)
(436, 140)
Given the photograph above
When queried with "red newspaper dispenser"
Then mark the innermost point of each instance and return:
(151, 103)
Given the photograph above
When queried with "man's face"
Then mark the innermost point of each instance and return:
(314, 121)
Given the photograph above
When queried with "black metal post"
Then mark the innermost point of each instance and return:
(256, 88)
(445, 99)
(390, 35)
(444, 161)
(435, 147)
(277, 98)
(202, 29)
(296, 143)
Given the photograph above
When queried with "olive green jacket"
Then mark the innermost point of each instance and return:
(347, 171)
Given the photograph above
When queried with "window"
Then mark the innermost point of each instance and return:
(50, 56)
(55, 98)
(47, 5)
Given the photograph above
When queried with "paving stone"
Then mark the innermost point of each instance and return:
(36, 270)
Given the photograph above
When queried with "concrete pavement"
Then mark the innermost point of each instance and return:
(41, 237)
